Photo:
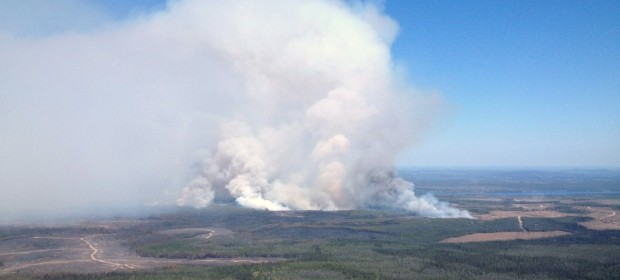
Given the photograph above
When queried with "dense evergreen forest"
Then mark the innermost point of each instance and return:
(368, 244)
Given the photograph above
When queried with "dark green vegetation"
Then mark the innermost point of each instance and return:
(365, 245)
(379, 244)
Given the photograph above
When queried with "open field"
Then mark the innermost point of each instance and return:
(603, 218)
(512, 237)
(493, 215)
(215, 242)
(504, 236)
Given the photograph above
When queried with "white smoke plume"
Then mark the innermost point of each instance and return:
(284, 104)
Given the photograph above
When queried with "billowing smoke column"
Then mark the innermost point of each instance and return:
(273, 104)
(325, 119)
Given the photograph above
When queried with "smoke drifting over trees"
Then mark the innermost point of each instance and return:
(273, 104)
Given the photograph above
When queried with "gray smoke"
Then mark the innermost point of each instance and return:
(283, 104)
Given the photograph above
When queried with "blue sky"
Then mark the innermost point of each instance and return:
(531, 83)
(527, 83)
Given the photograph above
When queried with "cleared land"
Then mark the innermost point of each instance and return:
(524, 234)
(95, 253)
(537, 237)
(493, 215)
(603, 218)
(213, 243)
(503, 236)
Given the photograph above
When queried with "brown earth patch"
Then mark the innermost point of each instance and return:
(604, 218)
(503, 236)
(493, 215)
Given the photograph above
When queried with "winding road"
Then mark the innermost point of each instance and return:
(93, 255)
(611, 213)
(104, 255)
(94, 258)
(521, 223)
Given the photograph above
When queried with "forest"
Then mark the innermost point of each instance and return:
(362, 244)
(225, 241)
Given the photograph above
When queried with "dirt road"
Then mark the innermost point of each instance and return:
(94, 258)
(94, 254)
(521, 223)
(603, 218)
